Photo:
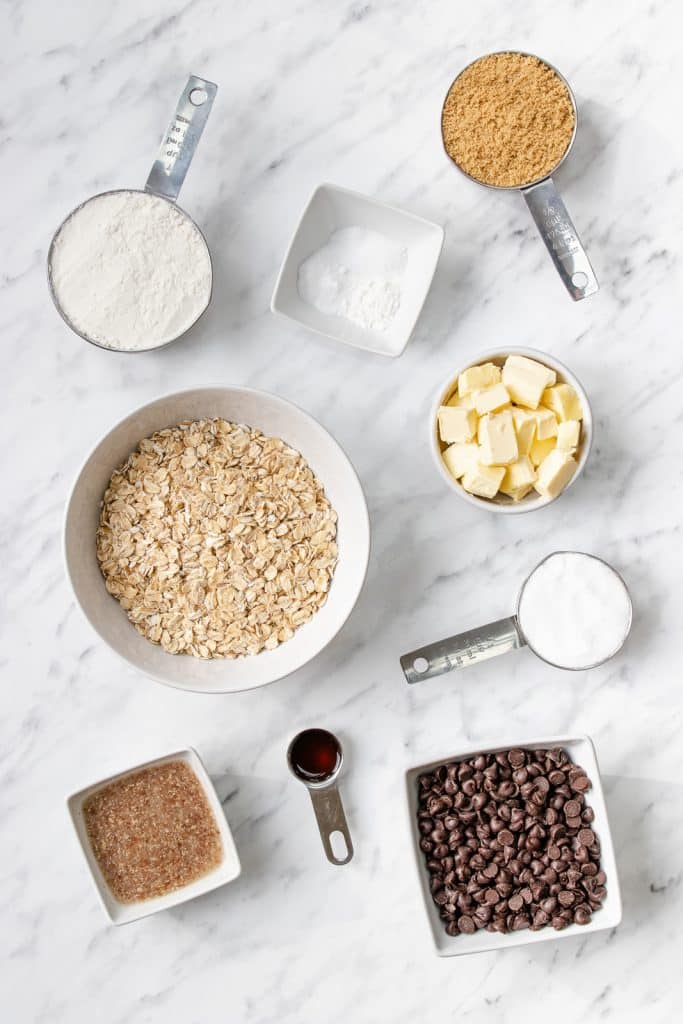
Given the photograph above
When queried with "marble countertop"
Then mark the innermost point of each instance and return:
(348, 92)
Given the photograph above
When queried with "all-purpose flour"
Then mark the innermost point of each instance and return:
(130, 271)
(357, 274)
(574, 610)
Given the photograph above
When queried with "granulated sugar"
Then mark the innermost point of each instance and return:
(130, 271)
(575, 610)
(357, 274)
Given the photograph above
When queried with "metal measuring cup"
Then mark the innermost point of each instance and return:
(165, 181)
(320, 779)
(484, 642)
(547, 208)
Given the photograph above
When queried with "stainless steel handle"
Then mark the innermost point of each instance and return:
(462, 650)
(329, 813)
(181, 139)
(561, 240)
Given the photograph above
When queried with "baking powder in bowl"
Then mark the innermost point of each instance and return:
(358, 275)
(574, 610)
(130, 271)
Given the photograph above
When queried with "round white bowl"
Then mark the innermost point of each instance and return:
(502, 503)
(273, 416)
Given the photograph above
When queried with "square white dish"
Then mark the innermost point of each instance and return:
(330, 209)
(582, 752)
(227, 870)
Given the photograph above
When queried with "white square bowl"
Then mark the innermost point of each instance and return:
(330, 209)
(581, 752)
(227, 870)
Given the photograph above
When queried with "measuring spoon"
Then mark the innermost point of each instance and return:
(499, 637)
(548, 209)
(315, 758)
(165, 181)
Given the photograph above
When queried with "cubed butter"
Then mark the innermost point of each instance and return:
(564, 402)
(477, 378)
(525, 428)
(526, 380)
(460, 458)
(461, 400)
(456, 424)
(546, 424)
(483, 480)
(554, 473)
(491, 399)
(496, 434)
(568, 434)
(540, 450)
(519, 478)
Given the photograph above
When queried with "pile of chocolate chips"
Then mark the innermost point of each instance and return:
(508, 842)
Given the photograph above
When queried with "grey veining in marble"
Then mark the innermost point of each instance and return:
(348, 92)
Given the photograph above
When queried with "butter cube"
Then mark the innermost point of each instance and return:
(568, 434)
(520, 476)
(540, 450)
(460, 458)
(526, 380)
(461, 400)
(554, 473)
(546, 424)
(564, 402)
(477, 378)
(496, 435)
(491, 399)
(456, 424)
(525, 428)
(483, 480)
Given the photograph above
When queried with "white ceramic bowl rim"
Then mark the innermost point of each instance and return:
(526, 505)
(360, 552)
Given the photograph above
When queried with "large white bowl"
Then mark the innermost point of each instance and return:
(276, 417)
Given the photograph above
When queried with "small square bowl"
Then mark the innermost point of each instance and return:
(582, 752)
(330, 209)
(227, 870)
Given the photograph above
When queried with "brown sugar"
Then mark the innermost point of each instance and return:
(507, 119)
(152, 832)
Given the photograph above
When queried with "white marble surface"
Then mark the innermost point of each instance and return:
(347, 92)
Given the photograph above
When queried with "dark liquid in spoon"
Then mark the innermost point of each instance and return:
(315, 755)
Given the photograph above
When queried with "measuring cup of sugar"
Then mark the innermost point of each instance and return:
(574, 612)
(544, 201)
(128, 270)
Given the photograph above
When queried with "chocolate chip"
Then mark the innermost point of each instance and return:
(507, 842)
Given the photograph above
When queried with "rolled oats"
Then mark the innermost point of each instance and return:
(216, 540)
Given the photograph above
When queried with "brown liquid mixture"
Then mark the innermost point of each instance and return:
(152, 832)
(315, 755)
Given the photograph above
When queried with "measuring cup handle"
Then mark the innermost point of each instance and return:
(561, 240)
(329, 813)
(462, 650)
(181, 139)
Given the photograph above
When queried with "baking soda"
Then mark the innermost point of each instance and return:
(358, 275)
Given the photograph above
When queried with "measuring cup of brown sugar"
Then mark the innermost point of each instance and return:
(315, 758)
(508, 121)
